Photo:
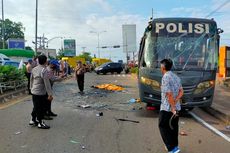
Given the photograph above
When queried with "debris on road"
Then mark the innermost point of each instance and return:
(182, 133)
(74, 142)
(101, 106)
(17, 133)
(121, 119)
(138, 100)
(84, 106)
(82, 147)
(24, 146)
(132, 100)
(99, 114)
(110, 87)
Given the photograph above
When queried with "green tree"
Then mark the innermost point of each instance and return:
(86, 55)
(12, 29)
(60, 53)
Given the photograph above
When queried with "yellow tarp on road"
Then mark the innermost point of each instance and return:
(110, 87)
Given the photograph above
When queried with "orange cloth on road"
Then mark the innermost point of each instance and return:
(110, 87)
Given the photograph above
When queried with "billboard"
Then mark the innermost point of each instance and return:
(69, 47)
(129, 38)
(16, 43)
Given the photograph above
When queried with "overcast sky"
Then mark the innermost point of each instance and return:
(75, 18)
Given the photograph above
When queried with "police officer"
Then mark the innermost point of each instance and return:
(40, 86)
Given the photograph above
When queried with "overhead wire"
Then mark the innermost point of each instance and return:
(218, 8)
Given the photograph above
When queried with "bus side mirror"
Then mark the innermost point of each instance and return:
(219, 30)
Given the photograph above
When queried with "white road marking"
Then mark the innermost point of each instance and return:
(209, 126)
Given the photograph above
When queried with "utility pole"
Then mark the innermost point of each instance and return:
(36, 27)
(152, 13)
(83, 49)
(98, 45)
(98, 39)
(3, 27)
(126, 48)
(44, 41)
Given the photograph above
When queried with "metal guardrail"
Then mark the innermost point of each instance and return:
(12, 85)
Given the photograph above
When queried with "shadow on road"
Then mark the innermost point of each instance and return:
(146, 113)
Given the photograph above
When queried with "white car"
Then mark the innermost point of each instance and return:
(3, 59)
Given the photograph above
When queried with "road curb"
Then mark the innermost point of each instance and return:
(19, 92)
(217, 114)
(12, 94)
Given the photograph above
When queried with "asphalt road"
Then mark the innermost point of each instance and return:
(79, 130)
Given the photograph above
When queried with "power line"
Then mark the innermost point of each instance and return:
(218, 8)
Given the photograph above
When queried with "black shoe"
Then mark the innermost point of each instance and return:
(47, 117)
(52, 114)
(42, 125)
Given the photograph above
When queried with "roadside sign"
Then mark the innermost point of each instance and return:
(16, 43)
(69, 47)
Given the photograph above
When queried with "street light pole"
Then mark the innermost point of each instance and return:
(98, 45)
(98, 41)
(36, 26)
(47, 45)
(3, 27)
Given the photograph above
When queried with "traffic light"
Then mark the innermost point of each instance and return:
(116, 46)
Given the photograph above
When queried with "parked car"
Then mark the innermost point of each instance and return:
(109, 67)
(3, 59)
(12, 63)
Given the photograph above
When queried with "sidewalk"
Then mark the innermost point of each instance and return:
(221, 104)
(11, 94)
(7, 96)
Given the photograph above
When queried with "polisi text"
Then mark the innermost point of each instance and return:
(197, 28)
